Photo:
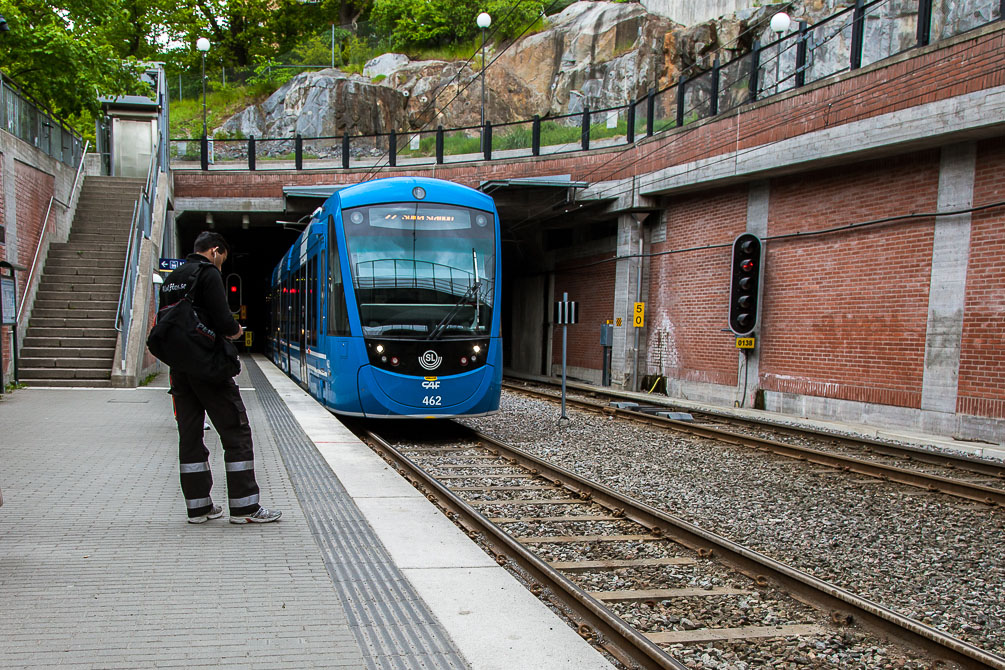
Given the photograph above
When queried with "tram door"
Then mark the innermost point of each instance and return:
(303, 293)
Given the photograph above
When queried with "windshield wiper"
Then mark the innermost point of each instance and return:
(472, 292)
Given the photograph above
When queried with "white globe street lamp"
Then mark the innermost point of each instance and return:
(780, 22)
(483, 21)
(202, 44)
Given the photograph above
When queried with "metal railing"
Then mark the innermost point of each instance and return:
(139, 229)
(28, 120)
(860, 35)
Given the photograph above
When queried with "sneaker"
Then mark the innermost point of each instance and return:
(214, 513)
(261, 516)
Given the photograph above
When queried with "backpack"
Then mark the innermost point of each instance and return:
(180, 339)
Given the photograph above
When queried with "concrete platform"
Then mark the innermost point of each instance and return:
(98, 567)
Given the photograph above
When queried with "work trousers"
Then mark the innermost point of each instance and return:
(193, 399)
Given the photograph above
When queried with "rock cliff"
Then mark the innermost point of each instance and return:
(592, 55)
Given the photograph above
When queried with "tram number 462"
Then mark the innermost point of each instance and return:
(432, 400)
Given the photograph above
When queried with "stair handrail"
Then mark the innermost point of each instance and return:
(142, 216)
(44, 234)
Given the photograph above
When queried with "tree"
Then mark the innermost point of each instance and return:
(432, 23)
(59, 53)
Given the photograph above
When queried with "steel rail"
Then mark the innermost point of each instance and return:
(618, 638)
(841, 603)
(976, 465)
(935, 483)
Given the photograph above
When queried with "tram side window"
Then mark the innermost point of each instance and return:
(298, 308)
(338, 315)
(312, 301)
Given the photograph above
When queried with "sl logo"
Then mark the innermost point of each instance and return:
(430, 360)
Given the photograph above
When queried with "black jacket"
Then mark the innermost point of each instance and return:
(209, 298)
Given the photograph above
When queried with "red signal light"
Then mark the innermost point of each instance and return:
(747, 265)
(233, 289)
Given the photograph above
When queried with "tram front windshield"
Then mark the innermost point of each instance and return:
(422, 270)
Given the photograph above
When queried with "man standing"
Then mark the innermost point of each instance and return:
(194, 397)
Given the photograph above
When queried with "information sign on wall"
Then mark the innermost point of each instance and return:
(9, 296)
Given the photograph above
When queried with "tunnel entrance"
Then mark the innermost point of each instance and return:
(255, 251)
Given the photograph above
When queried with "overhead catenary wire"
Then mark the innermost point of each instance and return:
(799, 234)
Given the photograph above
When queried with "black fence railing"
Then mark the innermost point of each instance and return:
(28, 120)
(855, 37)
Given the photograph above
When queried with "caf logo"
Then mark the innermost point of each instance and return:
(430, 360)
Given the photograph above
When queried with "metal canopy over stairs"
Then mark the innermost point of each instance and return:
(71, 334)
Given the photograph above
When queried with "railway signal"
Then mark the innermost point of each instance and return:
(234, 293)
(744, 283)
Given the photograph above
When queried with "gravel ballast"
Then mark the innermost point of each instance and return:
(931, 557)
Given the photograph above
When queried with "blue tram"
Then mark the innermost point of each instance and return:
(387, 305)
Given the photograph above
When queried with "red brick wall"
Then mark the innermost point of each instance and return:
(982, 362)
(689, 291)
(844, 314)
(32, 191)
(592, 287)
(5, 331)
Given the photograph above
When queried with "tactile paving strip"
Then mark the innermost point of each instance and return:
(392, 625)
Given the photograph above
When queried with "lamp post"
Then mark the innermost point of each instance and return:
(483, 21)
(202, 44)
(780, 22)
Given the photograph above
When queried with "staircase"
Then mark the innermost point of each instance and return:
(71, 335)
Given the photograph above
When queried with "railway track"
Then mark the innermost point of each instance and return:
(971, 479)
(647, 586)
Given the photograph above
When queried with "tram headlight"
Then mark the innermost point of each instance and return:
(477, 348)
(481, 220)
(464, 360)
(380, 348)
(356, 217)
(395, 361)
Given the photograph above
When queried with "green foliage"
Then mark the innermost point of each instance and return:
(222, 102)
(412, 24)
(45, 38)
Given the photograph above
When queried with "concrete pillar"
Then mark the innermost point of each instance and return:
(626, 294)
(748, 371)
(946, 297)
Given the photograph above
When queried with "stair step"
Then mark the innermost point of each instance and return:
(69, 384)
(110, 237)
(92, 271)
(119, 247)
(57, 295)
(42, 302)
(107, 282)
(63, 332)
(83, 324)
(85, 262)
(98, 256)
(68, 343)
(57, 352)
(65, 373)
(84, 313)
(68, 363)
